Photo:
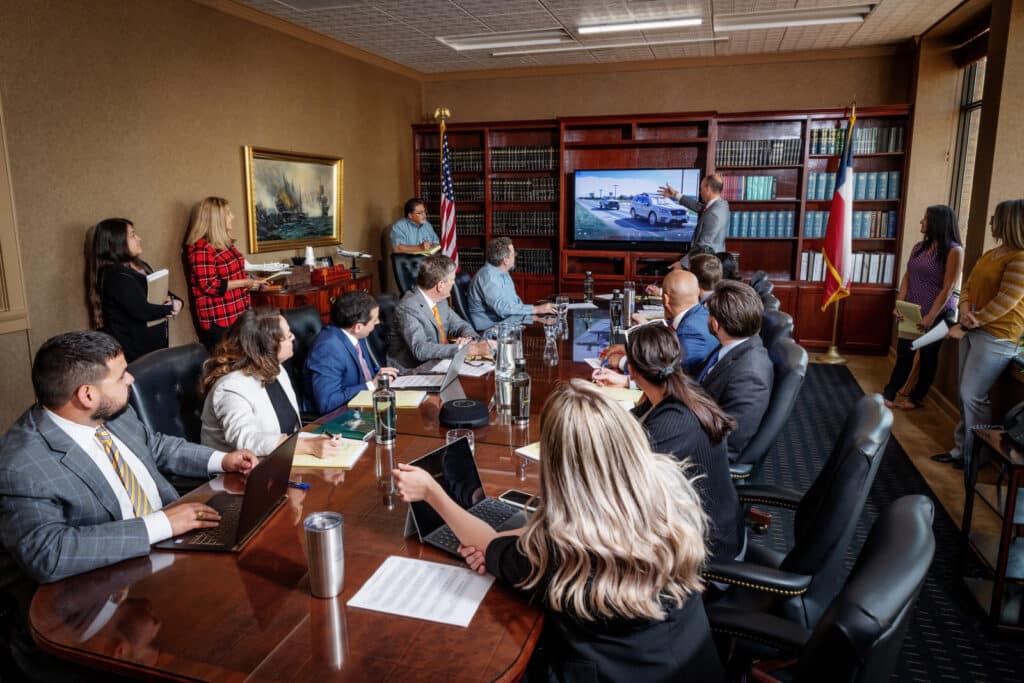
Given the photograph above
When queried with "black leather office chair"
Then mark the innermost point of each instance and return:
(378, 339)
(775, 325)
(789, 361)
(860, 635)
(306, 323)
(756, 277)
(460, 295)
(764, 288)
(166, 396)
(799, 585)
(771, 303)
(406, 267)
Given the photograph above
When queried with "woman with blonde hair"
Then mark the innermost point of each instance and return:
(991, 323)
(613, 552)
(217, 279)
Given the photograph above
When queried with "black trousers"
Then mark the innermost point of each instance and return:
(926, 368)
(211, 337)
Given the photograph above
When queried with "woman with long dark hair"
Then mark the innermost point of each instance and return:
(934, 269)
(118, 290)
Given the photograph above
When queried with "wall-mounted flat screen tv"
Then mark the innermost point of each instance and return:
(623, 208)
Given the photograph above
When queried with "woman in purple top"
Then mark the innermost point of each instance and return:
(932, 272)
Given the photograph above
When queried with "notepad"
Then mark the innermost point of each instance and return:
(156, 292)
(350, 452)
(627, 398)
(911, 318)
(403, 399)
(530, 450)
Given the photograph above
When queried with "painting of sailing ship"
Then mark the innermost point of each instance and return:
(294, 200)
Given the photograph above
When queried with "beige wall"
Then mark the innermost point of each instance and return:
(140, 108)
(823, 81)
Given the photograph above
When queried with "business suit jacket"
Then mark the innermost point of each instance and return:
(238, 413)
(741, 383)
(58, 515)
(414, 335)
(332, 373)
(712, 222)
(695, 339)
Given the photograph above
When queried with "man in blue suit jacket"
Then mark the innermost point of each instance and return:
(339, 364)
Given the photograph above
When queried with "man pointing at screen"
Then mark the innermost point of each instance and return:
(713, 220)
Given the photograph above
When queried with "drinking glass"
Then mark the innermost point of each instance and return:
(562, 306)
(551, 334)
(454, 435)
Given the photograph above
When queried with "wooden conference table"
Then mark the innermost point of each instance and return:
(250, 616)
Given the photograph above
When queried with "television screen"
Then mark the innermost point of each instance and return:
(625, 206)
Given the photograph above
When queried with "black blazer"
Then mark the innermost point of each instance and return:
(742, 384)
(678, 648)
(674, 430)
(126, 312)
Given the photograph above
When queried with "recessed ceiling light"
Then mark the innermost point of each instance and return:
(783, 18)
(490, 41)
(608, 46)
(652, 25)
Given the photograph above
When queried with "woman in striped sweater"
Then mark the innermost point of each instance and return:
(992, 321)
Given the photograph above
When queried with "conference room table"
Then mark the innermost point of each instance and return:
(249, 616)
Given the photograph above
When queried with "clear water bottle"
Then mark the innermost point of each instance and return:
(521, 394)
(551, 334)
(588, 288)
(615, 310)
(628, 302)
(384, 411)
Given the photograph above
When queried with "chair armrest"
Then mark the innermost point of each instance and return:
(738, 470)
(757, 577)
(758, 627)
(759, 494)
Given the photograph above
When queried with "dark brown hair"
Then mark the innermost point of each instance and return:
(67, 361)
(250, 345)
(708, 270)
(109, 248)
(654, 354)
(737, 308)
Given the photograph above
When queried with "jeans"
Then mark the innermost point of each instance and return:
(905, 362)
(982, 359)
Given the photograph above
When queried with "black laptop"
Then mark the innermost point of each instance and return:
(241, 516)
(455, 469)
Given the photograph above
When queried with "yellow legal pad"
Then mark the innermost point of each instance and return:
(625, 397)
(403, 399)
(350, 452)
(530, 450)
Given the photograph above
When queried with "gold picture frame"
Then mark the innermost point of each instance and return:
(294, 200)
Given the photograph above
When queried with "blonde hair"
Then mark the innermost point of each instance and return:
(209, 220)
(1008, 223)
(619, 528)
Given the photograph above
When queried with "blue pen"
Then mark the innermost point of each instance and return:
(298, 485)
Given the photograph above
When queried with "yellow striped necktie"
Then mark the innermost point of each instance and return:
(140, 503)
(440, 326)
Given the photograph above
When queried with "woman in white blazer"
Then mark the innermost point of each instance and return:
(250, 402)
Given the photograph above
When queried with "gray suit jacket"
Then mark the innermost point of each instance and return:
(712, 224)
(414, 335)
(58, 515)
(741, 383)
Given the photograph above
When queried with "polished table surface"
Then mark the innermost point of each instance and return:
(250, 617)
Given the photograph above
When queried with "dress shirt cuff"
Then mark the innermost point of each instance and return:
(158, 527)
(369, 386)
(632, 385)
(622, 365)
(215, 465)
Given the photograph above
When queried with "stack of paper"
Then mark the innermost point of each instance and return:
(408, 398)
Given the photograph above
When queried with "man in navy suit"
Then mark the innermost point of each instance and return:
(339, 364)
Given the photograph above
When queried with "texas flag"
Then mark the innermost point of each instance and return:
(838, 250)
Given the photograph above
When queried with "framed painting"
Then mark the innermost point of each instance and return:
(294, 200)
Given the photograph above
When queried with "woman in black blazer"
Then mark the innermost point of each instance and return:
(118, 290)
(612, 553)
(683, 421)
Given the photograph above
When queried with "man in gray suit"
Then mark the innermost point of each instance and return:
(713, 221)
(425, 327)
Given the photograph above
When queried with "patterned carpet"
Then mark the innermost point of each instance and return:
(946, 640)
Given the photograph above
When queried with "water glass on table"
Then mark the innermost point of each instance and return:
(562, 306)
(454, 435)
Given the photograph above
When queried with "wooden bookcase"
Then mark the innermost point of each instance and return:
(779, 161)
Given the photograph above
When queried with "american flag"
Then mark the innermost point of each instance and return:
(838, 250)
(448, 246)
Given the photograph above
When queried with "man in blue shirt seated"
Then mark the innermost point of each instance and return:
(492, 295)
(339, 364)
(414, 233)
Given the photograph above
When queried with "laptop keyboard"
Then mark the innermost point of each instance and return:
(230, 508)
(491, 510)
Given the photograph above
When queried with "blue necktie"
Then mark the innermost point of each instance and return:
(710, 364)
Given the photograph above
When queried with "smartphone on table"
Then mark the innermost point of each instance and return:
(521, 499)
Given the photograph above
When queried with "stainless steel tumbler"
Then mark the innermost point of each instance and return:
(325, 553)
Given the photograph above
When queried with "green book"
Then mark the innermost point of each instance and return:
(352, 424)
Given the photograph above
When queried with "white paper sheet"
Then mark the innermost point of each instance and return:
(477, 368)
(603, 297)
(937, 333)
(581, 307)
(593, 362)
(424, 590)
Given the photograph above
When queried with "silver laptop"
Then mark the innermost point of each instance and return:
(433, 382)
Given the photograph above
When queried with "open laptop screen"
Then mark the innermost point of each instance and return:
(454, 468)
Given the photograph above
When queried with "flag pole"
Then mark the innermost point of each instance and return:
(832, 357)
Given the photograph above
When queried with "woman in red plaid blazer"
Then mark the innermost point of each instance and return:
(218, 283)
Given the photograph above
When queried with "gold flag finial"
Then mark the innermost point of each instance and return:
(442, 113)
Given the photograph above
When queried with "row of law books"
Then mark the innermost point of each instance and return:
(773, 152)
(748, 187)
(513, 223)
(761, 224)
(866, 224)
(865, 140)
(524, 189)
(467, 223)
(866, 186)
(471, 259)
(869, 267)
(462, 160)
(519, 158)
(467, 190)
(536, 261)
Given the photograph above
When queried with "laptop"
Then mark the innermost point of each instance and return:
(435, 382)
(454, 468)
(242, 516)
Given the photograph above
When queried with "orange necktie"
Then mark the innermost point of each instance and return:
(440, 326)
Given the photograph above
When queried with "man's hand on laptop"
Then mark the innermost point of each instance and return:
(239, 461)
(188, 516)
(392, 373)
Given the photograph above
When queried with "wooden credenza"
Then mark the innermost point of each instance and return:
(301, 292)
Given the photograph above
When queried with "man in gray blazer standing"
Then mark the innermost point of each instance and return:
(713, 221)
(425, 327)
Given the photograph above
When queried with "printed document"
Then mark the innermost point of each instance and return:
(937, 333)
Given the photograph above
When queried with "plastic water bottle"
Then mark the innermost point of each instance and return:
(520, 394)
(628, 303)
(615, 311)
(384, 411)
(588, 288)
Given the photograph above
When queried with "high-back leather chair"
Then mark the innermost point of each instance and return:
(799, 584)
(460, 295)
(306, 323)
(789, 361)
(860, 635)
(378, 339)
(775, 325)
(756, 277)
(771, 303)
(763, 287)
(406, 267)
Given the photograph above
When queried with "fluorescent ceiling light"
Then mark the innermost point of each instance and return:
(652, 25)
(609, 46)
(490, 41)
(811, 16)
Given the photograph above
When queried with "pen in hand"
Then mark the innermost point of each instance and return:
(299, 485)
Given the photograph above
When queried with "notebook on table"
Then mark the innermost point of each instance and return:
(242, 516)
(454, 468)
(433, 383)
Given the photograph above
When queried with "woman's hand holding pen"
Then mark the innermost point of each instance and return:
(328, 445)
